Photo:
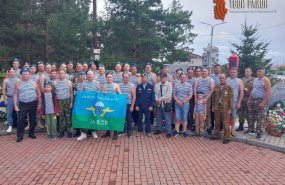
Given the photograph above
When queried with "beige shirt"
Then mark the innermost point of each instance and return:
(166, 92)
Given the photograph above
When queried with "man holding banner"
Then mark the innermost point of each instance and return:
(111, 88)
(89, 85)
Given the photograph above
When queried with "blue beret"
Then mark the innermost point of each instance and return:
(24, 70)
(200, 91)
(48, 82)
(33, 65)
(144, 74)
(80, 73)
(165, 65)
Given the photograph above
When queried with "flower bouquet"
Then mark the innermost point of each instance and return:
(275, 125)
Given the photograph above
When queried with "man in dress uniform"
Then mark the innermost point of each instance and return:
(145, 100)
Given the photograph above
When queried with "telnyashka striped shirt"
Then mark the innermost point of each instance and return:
(258, 90)
(102, 80)
(49, 107)
(35, 78)
(191, 81)
(134, 80)
(150, 78)
(117, 78)
(215, 78)
(200, 108)
(182, 90)
(27, 91)
(234, 84)
(10, 85)
(110, 88)
(62, 89)
(204, 85)
(90, 86)
(127, 89)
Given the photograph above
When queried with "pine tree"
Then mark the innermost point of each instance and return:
(139, 31)
(45, 30)
(251, 52)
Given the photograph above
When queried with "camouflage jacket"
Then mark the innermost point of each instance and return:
(247, 83)
(223, 100)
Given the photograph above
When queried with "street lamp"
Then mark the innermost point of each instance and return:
(212, 34)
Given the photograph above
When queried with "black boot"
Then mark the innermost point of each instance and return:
(240, 127)
(106, 134)
(115, 136)
(69, 134)
(209, 131)
(77, 132)
(61, 135)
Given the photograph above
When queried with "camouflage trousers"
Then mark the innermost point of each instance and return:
(208, 114)
(64, 123)
(243, 111)
(255, 114)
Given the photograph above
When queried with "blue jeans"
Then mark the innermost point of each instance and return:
(167, 115)
(181, 113)
(10, 110)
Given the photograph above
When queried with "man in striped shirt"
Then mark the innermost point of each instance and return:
(64, 92)
(8, 93)
(237, 86)
(182, 93)
(26, 97)
(191, 80)
(257, 102)
(215, 77)
(101, 78)
(117, 75)
(41, 68)
(129, 89)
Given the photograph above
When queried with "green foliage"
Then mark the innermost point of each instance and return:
(45, 30)
(140, 31)
(251, 52)
(131, 31)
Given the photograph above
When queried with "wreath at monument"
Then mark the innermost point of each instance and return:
(275, 124)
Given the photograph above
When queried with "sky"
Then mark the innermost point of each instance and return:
(272, 26)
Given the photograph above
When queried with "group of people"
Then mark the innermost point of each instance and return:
(190, 99)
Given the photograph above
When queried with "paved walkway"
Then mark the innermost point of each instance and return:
(267, 141)
(139, 160)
